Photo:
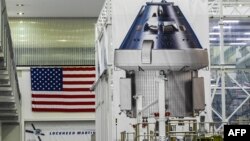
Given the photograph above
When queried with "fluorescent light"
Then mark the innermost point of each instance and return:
(242, 39)
(214, 33)
(212, 39)
(20, 5)
(247, 33)
(237, 43)
(231, 21)
(62, 40)
(225, 27)
(20, 13)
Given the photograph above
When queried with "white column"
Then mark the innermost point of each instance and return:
(139, 114)
(223, 97)
(222, 62)
(162, 119)
(221, 24)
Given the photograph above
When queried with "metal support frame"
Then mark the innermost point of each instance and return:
(222, 67)
(223, 97)
(239, 86)
(236, 8)
(218, 114)
(216, 86)
(148, 106)
(222, 62)
(232, 88)
(236, 82)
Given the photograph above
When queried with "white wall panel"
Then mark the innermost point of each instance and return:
(103, 109)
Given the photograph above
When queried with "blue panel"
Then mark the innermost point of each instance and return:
(164, 24)
(46, 79)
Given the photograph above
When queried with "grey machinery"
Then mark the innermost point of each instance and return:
(161, 56)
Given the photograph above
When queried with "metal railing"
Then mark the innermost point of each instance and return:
(7, 49)
(189, 129)
(235, 8)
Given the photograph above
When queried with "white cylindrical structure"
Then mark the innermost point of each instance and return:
(139, 115)
(162, 119)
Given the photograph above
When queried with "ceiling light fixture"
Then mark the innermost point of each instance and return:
(62, 40)
(247, 33)
(242, 39)
(238, 44)
(214, 33)
(20, 5)
(231, 21)
(212, 39)
(225, 27)
(20, 13)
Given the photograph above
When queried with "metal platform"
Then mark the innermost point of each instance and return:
(174, 60)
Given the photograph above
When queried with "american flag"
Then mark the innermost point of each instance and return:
(62, 89)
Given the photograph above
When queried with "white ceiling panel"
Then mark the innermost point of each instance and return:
(55, 8)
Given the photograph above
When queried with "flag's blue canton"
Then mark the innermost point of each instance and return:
(46, 79)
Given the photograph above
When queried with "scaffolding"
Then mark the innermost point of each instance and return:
(229, 79)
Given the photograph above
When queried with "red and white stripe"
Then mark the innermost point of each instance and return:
(75, 97)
